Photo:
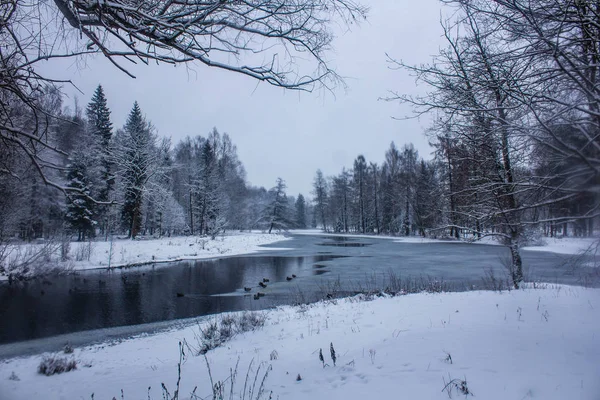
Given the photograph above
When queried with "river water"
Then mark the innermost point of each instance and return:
(100, 299)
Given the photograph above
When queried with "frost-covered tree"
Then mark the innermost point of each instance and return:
(408, 165)
(320, 197)
(208, 192)
(359, 174)
(374, 217)
(480, 118)
(80, 206)
(300, 212)
(277, 213)
(100, 127)
(339, 201)
(391, 187)
(426, 200)
(136, 159)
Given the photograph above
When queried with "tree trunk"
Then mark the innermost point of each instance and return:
(191, 215)
(516, 267)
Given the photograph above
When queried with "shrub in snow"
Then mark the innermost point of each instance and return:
(227, 328)
(250, 321)
(456, 386)
(491, 282)
(220, 331)
(13, 377)
(21, 263)
(84, 251)
(51, 365)
(210, 337)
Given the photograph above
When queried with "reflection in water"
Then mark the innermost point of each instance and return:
(101, 299)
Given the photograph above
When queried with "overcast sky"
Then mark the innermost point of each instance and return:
(286, 133)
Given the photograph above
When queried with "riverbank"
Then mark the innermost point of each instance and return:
(566, 245)
(120, 253)
(530, 343)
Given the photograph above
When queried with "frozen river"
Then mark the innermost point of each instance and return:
(117, 302)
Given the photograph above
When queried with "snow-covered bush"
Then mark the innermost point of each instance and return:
(250, 321)
(53, 364)
(84, 251)
(23, 262)
(458, 386)
(217, 332)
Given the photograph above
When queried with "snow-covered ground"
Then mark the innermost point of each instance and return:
(123, 252)
(525, 344)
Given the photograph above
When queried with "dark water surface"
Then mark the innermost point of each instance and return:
(100, 299)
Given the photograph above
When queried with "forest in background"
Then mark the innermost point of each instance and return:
(129, 181)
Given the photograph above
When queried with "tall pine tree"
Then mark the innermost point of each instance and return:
(80, 207)
(300, 212)
(136, 159)
(100, 128)
(276, 214)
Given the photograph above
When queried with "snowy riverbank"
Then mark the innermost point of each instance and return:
(567, 245)
(126, 252)
(521, 344)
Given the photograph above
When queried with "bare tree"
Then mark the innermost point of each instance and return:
(514, 89)
(475, 116)
(281, 42)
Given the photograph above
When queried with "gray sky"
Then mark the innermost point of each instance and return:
(285, 133)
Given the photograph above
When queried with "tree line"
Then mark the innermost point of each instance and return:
(401, 196)
(515, 100)
(130, 182)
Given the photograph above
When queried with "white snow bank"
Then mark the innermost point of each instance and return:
(516, 345)
(568, 246)
(318, 232)
(96, 254)
(552, 245)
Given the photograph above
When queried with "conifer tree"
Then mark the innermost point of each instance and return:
(100, 128)
(136, 157)
(80, 207)
(276, 213)
(300, 212)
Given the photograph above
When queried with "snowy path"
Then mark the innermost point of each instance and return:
(515, 345)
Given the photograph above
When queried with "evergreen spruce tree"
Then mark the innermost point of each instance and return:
(300, 212)
(276, 213)
(80, 207)
(100, 128)
(136, 159)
